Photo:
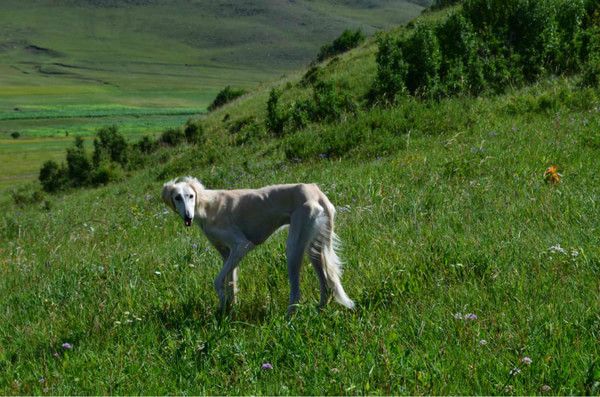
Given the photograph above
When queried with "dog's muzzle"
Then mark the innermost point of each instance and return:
(188, 221)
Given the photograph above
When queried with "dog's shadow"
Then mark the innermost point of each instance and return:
(194, 313)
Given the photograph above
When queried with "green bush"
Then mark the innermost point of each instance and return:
(346, 41)
(312, 75)
(172, 137)
(15, 135)
(110, 145)
(52, 176)
(569, 22)
(146, 145)
(392, 70)
(245, 130)
(276, 118)
(224, 96)
(519, 30)
(24, 196)
(424, 58)
(461, 68)
(301, 113)
(591, 73)
(106, 172)
(330, 102)
(194, 132)
(489, 45)
(79, 167)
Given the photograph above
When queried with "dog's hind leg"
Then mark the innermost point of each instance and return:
(302, 231)
(315, 258)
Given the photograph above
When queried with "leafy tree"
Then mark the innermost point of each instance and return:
(79, 166)
(172, 137)
(276, 118)
(392, 70)
(424, 58)
(110, 145)
(52, 176)
(346, 41)
(194, 132)
(224, 96)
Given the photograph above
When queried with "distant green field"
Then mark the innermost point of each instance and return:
(73, 66)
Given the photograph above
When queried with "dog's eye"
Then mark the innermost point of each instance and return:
(191, 196)
(178, 198)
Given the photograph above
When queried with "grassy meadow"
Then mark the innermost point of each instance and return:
(471, 273)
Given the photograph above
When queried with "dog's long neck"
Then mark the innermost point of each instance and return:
(203, 201)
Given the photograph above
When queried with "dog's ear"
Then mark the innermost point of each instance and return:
(197, 186)
(167, 195)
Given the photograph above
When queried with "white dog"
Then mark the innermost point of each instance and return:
(235, 221)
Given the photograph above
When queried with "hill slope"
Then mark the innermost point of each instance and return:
(472, 275)
(70, 67)
(165, 53)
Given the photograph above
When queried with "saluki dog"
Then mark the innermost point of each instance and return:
(235, 221)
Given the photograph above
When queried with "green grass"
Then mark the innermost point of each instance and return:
(442, 209)
(453, 221)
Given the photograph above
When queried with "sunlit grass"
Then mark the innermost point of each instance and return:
(471, 273)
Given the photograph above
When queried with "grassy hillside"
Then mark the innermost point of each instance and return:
(73, 66)
(471, 273)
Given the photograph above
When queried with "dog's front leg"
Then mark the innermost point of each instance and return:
(226, 281)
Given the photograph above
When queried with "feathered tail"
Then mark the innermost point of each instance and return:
(326, 245)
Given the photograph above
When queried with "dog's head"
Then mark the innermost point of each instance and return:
(181, 195)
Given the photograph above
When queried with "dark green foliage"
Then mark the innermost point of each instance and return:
(53, 177)
(346, 41)
(109, 145)
(79, 166)
(224, 96)
(23, 196)
(330, 102)
(591, 73)
(311, 76)
(15, 135)
(146, 145)
(461, 68)
(194, 132)
(111, 156)
(590, 76)
(245, 130)
(301, 114)
(518, 30)
(276, 118)
(569, 21)
(487, 46)
(391, 71)
(105, 173)
(172, 137)
(423, 56)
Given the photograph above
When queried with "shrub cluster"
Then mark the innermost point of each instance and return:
(111, 157)
(488, 45)
(348, 40)
(224, 96)
(328, 103)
